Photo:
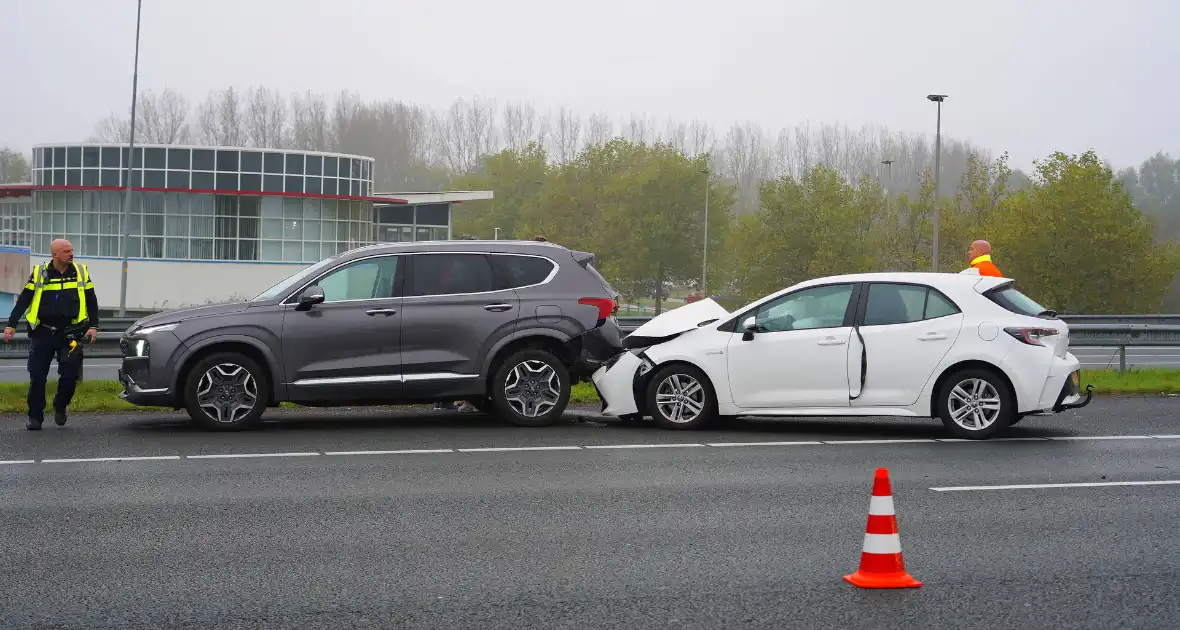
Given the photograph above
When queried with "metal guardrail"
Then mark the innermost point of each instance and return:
(1086, 331)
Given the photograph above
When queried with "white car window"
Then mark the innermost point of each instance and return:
(904, 303)
(817, 307)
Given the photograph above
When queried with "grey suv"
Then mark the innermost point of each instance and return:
(508, 325)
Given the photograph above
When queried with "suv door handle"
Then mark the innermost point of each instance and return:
(932, 337)
(381, 311)
(497, 308)
(831, 341)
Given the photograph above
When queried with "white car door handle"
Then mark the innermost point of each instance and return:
(832, 341)
(932, 337)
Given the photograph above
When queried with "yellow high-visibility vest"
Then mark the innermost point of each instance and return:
(41, 283)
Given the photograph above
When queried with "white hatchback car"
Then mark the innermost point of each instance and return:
(969, 349)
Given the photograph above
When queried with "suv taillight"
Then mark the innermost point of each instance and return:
(606, 306)
(1031, 336)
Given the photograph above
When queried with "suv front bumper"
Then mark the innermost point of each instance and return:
(137, 395)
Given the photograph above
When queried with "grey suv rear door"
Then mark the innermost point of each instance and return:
(453, 313)
(349, 346)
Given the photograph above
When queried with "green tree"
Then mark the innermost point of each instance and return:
(14, 167)
(515, 178)
(1075, 241)
(818, 225)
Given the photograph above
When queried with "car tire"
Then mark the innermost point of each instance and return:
(530, 388)
(218, 385)
(688, 401)
(976, 404)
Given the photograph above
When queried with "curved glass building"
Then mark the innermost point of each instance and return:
(202, 203)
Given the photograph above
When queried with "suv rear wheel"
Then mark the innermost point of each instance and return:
(530, 388)
(226, 391)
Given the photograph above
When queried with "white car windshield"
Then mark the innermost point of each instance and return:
(279, 288)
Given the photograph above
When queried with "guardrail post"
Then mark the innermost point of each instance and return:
(1122, 360)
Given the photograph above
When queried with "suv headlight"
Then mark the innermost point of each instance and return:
(152, 329)
(140, 345)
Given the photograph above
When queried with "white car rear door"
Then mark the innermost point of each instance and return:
(907, 330)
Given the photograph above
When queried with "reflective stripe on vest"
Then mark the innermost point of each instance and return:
(41, 283)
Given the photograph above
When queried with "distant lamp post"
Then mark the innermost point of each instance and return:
(705, 251)
(497, 234)
(130, 169)
(888, 179)
(937, 98)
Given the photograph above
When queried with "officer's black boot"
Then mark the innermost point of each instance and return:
(33, 423)
(59, 417)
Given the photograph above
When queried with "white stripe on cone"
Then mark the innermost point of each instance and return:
(882, 543)
(881, 506)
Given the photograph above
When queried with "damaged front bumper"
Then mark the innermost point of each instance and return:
(618, 384)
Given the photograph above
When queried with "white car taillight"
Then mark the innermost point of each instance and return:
(1031, 336)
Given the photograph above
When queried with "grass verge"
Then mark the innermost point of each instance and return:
(104, 395)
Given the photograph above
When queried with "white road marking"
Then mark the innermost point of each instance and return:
(243, 455)
(811, 443)
(401, 452)
(505, 449)
(1101, 437)
(1039, 486)
(676, 445)
(81, 460)
(570, 447)
(878, 441)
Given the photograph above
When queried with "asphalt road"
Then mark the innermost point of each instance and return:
(617, 527)
(104, 369)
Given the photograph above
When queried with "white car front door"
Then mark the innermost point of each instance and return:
(907, 330)
(797, 355)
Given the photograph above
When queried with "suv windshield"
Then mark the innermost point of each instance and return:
(278, 289)
(1009, 298)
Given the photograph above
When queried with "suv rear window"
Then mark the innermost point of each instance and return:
(605, 285)
(521, 271)
(1013, 300)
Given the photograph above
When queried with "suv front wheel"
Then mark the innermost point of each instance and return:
(226, 391)
(530, 388)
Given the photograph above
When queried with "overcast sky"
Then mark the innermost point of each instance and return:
(1026, 76)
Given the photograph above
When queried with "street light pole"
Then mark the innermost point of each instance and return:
(938, 99)
(705, 252)
(130, 167)
(888, 179)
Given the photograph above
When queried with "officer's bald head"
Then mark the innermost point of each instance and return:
(62, 251)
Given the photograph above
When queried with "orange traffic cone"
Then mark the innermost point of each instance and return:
(881, 565)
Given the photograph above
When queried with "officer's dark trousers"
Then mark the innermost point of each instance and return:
(44, 347)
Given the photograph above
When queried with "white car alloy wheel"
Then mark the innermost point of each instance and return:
(532, 388)
(680, 398)
(974, 404)
(227, 393)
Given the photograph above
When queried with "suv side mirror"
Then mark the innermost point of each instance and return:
(749, 327)
(310, 297)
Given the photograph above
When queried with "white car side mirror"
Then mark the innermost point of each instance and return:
(749, 327)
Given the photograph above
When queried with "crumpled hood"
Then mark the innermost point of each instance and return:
(192, 312)
(681, 319)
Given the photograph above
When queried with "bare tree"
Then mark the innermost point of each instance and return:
(219, 119)
(599, 129)
(676, 134)
(701, 138)
(309, 122)
(266, 119)
(467, 133)
(567, 134)
(746, 161)
(638, 129)
(519, 122)
(159, 119)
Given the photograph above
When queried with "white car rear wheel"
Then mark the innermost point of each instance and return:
(681, 397)
(976, 404)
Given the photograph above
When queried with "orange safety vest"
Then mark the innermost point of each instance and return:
(986, 267)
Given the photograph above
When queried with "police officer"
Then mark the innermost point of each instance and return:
(62, 310)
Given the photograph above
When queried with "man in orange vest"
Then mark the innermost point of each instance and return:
(980, 254)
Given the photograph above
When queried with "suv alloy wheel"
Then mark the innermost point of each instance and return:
(531, 388)
(226, 391)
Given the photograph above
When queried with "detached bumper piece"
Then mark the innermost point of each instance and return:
(1072, 388)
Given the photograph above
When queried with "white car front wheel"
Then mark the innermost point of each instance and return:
(976, 404)
(681, 397)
